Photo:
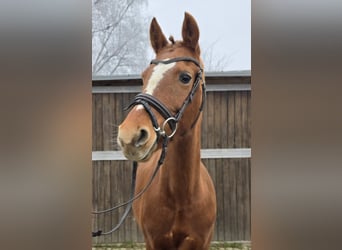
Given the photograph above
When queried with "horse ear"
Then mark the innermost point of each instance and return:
(190, 32)
(158, 40)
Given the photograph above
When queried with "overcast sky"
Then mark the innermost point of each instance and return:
(225, 23)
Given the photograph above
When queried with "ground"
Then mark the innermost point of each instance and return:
(245, 245)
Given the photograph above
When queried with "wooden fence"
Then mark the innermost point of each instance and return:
(226, 152)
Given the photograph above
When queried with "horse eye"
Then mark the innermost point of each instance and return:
(184, 78)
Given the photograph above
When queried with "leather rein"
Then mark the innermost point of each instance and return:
(148, 101)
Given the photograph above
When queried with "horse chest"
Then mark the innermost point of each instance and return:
(168, 221)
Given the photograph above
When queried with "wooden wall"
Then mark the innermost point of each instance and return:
(226, 124)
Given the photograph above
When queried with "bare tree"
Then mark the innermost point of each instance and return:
(119, 37)
(212, 61)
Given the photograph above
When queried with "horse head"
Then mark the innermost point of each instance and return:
(170, 98)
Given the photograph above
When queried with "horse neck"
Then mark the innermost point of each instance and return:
(180, 172)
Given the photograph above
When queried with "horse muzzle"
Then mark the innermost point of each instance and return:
(137, 145)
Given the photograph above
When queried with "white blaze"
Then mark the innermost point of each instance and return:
(139, 106)
(157, 74)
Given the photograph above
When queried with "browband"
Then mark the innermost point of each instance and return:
(178, 59)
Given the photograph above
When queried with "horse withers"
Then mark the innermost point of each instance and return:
(178, 210)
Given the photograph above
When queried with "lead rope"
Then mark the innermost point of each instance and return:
(133, 198)
(127, 210)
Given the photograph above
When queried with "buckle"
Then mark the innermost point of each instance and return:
(162, 129)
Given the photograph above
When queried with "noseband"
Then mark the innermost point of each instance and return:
(149, 101)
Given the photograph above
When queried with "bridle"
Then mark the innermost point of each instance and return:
(148, 101)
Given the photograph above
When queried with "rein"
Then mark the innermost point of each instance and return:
(149, 101)
(133, 198)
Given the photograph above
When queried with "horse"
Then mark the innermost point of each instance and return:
(178, 210)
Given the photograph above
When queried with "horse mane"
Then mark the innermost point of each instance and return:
(172, 40)
(176, 44)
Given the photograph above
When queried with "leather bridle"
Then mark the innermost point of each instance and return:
(148, 101)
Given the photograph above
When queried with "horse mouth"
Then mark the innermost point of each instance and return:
(148, 153)
(138, 154)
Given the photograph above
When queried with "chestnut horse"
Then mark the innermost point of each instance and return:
(178, 210)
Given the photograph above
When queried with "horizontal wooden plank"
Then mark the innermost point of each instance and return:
(214, 80)
(115, 89)
(228, 87)
(108, 156)
(205, 154)
(221, 153)
(233, 73)
(137, 89)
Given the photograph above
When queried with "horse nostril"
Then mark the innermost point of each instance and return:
(141, 138)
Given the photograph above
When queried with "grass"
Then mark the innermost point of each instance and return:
(140, 246)
(230, 245)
